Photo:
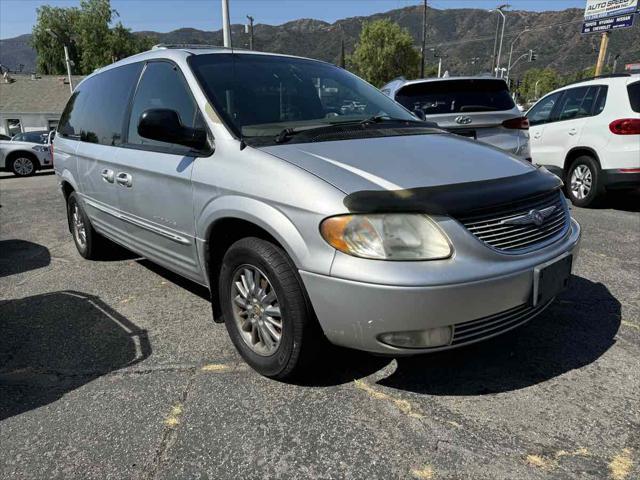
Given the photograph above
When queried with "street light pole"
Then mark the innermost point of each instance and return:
(226, 24)
(504, 21)
(535, 89)
(509, 66)
(250, 18)
(67, 60)
(424, 39)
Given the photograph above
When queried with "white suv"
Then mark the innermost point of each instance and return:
(588, 133)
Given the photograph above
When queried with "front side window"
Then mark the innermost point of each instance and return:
(456, 96)
(541, 112)
(162, 87)
(31, 137)
(260, 95)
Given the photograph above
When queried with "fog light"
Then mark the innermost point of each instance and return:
(434, 337)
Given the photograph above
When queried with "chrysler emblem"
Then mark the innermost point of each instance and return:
(537, 217)
(463, 120)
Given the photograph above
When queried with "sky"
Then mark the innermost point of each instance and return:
(18, 16)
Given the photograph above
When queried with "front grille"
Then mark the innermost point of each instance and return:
(474, 330)
(494, 229)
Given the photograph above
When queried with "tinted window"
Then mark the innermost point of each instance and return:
(258, 95)
(634, 96)
(162, 86)
(573, 104)
(454, 96)
(601, 100)
(541, 113)
(96, 111)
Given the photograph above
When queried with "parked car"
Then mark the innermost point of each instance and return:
(369, 229)
(476, 107)
(26, 153)
(588, 133)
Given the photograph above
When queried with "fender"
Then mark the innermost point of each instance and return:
(259, 213)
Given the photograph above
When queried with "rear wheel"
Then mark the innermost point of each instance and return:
(265, 309)
(90, 244)
(24, 165)
(584, 185)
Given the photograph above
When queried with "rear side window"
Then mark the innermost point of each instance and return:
(96, 111)
(456, 96)
(634, 96)
(162, 86)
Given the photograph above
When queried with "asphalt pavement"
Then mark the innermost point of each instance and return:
(114, 369)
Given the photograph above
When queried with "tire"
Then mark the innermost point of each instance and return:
(24, 165)
(300, 335)
(584, 182)
(90, 244)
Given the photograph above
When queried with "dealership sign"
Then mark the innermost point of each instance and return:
(606, 15)
(596, 9)
(607, 24)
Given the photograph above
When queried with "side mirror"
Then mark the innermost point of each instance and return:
(164, 125)
(419, 114)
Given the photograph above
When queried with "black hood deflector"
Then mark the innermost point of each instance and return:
(455, 199)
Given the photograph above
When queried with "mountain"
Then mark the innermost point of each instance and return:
(459, 34)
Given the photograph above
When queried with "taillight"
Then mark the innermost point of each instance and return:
(520, 123)
(625, 126)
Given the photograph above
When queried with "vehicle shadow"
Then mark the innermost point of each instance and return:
(53, 343)
(573, 332)
(626, 201)
(18, 256)
(193, 287)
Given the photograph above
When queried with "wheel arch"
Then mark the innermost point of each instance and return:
(231, 218)
(576, 152)
(24, 153)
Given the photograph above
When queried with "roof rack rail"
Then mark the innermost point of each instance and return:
(190, 46)
(607, 75)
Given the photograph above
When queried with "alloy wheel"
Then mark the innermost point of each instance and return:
(581, 181)
(256, 310)
(79, 229)
(23, 166)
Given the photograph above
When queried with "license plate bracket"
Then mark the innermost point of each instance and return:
(550, 279)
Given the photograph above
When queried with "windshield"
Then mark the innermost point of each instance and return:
(32, 137)
(456, 96)
(260, 95)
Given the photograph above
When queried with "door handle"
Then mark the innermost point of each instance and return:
(537, 135)
(124, 179)
(573, 131)
(107, 175)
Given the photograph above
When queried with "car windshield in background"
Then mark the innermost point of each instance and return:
(634, 96)
(262, 95)
(31, 137)
(456, 96)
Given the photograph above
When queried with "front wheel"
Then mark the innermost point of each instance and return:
(265, 309)
(584, 185)
(23, 166)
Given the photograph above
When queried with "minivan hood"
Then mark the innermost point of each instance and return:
(401, 162)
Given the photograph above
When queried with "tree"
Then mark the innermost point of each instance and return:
(62, 22)
(547, 79)
(86, 32)
(385, 51)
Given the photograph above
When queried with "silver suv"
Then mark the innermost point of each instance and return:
(309, 222)
(475, 107)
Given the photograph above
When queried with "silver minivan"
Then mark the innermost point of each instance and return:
(309, 221)
(475, 107)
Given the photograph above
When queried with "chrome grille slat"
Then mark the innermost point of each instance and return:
(489, 227)
(495, 324)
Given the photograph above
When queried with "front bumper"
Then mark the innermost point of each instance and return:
(353, 313)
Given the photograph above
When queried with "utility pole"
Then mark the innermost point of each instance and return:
(67, 60)
(343, 61)
(226, 24)
(526, 29)
(615, 63)
(604, 43)
(250, 18)
(424, 39)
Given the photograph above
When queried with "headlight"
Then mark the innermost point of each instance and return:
(40, 148)
(393, 236)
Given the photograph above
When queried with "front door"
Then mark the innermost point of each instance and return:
(154, 181)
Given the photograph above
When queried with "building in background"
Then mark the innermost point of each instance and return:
(32, 102)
